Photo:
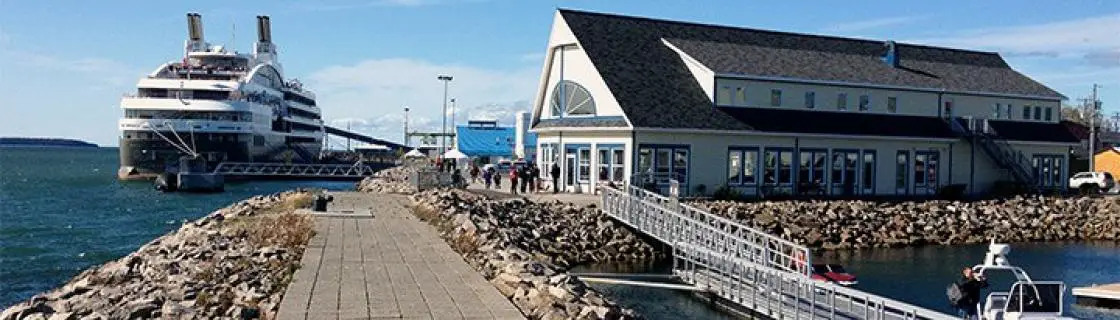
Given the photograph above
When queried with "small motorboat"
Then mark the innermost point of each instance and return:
(833, 273)
(1027, 298)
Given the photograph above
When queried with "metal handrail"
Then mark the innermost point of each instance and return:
(293, 170)
(747, 266)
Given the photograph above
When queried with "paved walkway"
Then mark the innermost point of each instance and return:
(374, 259)
(503, 193)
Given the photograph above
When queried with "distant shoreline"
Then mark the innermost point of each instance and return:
(7, 142)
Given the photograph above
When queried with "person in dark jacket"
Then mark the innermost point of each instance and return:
(555, 173)
(534, 177)
(970, 285)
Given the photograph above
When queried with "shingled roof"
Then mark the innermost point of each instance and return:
(656, 90)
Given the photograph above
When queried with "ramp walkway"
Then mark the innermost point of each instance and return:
(371, 258)
(745, 267)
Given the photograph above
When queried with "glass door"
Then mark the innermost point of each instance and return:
(570, 169)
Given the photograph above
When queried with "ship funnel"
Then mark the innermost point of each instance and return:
(194, 26)
(264, 29)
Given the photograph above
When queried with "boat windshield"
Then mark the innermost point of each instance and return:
(1035, 297)
(820, 269)
(836, 268)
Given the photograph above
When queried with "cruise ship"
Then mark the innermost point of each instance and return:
(218, 105)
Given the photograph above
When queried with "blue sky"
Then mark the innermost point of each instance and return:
(65, 64)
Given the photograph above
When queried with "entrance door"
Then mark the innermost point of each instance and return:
(570, 169)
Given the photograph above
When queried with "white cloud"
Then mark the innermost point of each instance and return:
(372, 94)
(114, 73)
(1078, 38)
(872, 24)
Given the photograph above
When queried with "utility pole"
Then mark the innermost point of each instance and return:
(348, 139)
(443, 131)
(1094, 105)
(406, 126)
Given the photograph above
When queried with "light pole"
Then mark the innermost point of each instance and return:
(406, 126)
(443, 130)
(1093, 108)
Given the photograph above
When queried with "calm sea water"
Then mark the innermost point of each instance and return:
(62, 210)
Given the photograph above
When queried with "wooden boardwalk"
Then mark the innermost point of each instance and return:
(373, 259)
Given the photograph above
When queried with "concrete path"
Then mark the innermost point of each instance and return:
(580, 199)
(373, 259)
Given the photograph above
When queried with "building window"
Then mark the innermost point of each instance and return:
(661, 163)
(948, 111)
(868, 183)
(892, 104)
(618, 159)
(996, 110)
(775, 97)
(1048, 170)
(810, 100)
(902, 161)
(1037, 113)
(925, 172)
(1008, 113)
(742, 166)
(722, 98)
(842, 101)
(604, 164)
(740, 96)
(844, 166)
(584, 164)
(570, 98)
(864, 102)
(778, 169)
(1049, 114)
(1026, 112)
(811, 171)
(548, 157)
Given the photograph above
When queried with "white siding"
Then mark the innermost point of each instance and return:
(917, 103)
(575, 66)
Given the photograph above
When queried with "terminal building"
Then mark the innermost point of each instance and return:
(637, 100)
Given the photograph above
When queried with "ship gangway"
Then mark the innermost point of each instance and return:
(295, 170)
(746, 268)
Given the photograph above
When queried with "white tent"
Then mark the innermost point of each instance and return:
(372, 147)
(455, 154)
(414, 154)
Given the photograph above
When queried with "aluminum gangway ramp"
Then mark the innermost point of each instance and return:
(264, 169)
(750, 269)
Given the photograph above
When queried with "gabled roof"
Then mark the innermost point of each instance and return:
(641, 70)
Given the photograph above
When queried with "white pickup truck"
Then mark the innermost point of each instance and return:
(1092, 182)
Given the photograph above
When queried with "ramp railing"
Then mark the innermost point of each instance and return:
(747, 266)
(294, 170)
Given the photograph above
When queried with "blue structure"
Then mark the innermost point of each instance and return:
(488, 141)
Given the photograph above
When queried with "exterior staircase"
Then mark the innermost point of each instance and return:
(978, 132)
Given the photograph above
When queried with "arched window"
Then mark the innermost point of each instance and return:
(570, 98)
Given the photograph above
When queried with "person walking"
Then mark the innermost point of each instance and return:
(513, 180)
(555, 173)
(969, 286)
(497, 178)
(523, 177)
(486, 177)
(474, 173)
(534, 178)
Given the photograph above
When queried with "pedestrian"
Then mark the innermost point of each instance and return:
(555, 173)
(534, 177)
(513, 180)
(497, 178)
(474, 173)
(523, 177)
(969, 287)
(486, 178)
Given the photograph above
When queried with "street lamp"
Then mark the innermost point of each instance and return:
(443, 131)
(406, 126)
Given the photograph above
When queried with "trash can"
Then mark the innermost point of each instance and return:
(320, 203)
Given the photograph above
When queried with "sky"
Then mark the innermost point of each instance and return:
(64, 65)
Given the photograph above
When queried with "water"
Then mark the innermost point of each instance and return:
(62, 210)
(919, 275)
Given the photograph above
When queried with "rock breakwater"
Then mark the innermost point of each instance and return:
(233, 263)
(840, 224)
(393, 180)
(523, 249)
